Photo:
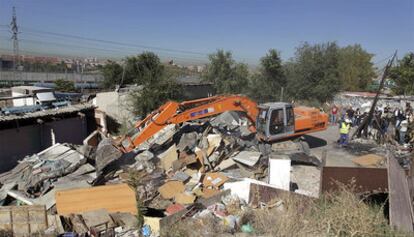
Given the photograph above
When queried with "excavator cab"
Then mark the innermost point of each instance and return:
(275, 120)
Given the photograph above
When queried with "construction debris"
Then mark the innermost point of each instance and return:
(211, 168)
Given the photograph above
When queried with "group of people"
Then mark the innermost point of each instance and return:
(387, 122)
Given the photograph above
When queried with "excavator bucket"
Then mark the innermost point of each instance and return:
(106, 153)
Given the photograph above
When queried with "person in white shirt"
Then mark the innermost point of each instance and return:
(403, 130)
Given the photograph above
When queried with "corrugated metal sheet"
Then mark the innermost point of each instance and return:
(50, 112)
(46, 96)
(366, 179)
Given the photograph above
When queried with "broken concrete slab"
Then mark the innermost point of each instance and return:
(170, 189)
(227, 120)
(125, 219)
(144, 156)
(188, 141)
(225, 164)
(24, 220)
(77, 224)
(168, 157)
(106, 153)
(55, 225)
(286, 146)
(98, 219)
(249, 158)
(279, 173)
(180, 176)
(113, 198)
(159, 138)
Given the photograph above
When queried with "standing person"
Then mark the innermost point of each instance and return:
(357, 117)
(408, 109)
(344, 128)
(350, 114)
(403, 131)
(398, 117)
(334, 113)
(343, 113)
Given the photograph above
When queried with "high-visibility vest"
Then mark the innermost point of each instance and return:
(344, 128)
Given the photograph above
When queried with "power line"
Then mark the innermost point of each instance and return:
(112, 42)
(123, 50)
(109, 50)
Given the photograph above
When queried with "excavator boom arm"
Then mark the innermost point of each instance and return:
(175, 113)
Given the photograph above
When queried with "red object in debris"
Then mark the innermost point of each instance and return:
(173, 208)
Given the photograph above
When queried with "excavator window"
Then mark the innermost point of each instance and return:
(290, 116)
(276, 122)
(261, 120)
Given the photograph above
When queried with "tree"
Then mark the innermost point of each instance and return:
(313, 72)
(156, 87)
(144, 68)
(356, 70)
(112, 73)
(266, 85)
(64, 85)
(403, 75)
(226, 75)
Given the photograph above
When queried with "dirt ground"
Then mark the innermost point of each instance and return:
(308, 177)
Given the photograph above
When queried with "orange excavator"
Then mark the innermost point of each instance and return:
(270, 121)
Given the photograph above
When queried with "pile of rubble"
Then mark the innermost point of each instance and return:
(192, 170)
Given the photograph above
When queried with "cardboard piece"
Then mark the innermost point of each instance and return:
(113, 198)
(170, 189)
(214, 180)
(168, 157)
(369, 160)
(184, 198)
(214, 141)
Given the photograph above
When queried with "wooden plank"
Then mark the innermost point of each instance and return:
(399, 197)
(113, 198)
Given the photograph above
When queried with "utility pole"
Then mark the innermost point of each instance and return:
(15, 32)
(362, 129)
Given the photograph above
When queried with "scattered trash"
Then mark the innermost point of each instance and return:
(247, 228)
